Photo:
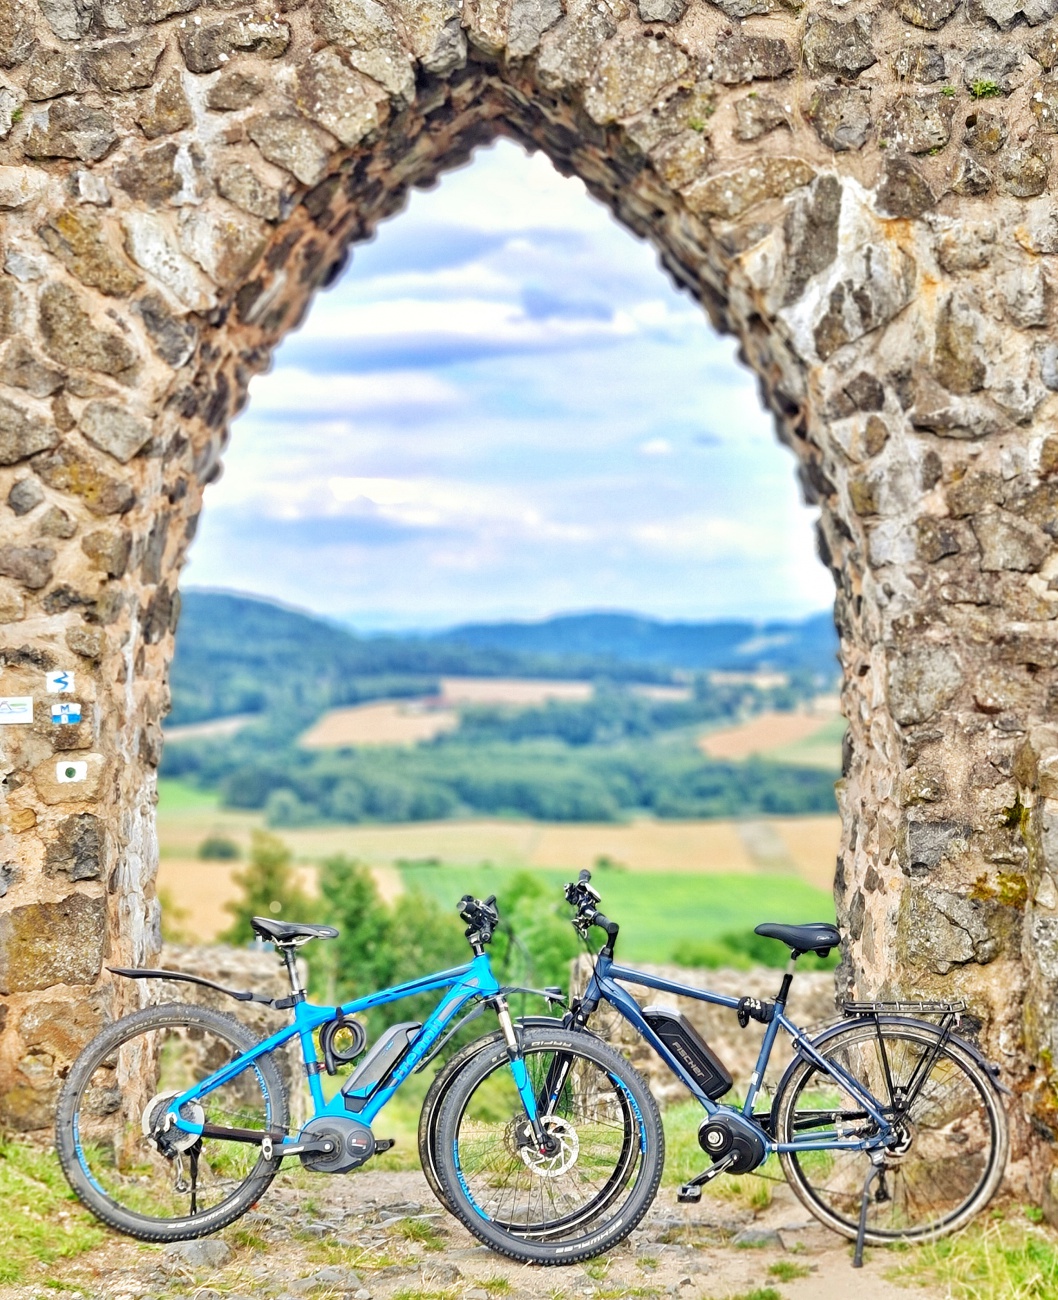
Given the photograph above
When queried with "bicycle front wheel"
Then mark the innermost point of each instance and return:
(439, 1089)
(582, 1197)
(949, 1147)
(138, 1177)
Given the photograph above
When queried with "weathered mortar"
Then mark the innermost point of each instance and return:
(860, 193)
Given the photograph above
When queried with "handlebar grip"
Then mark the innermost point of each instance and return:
(584, 877)
(604, 923)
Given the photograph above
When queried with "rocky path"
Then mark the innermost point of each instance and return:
(381, 1236)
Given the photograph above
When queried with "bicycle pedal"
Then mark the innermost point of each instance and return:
(384, 1144)
(688, 1195)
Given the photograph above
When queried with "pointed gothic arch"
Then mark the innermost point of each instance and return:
(860, 195)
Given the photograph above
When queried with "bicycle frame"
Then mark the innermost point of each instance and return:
(465, 984)
(604, 986)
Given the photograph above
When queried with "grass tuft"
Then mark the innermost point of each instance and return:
(984, 89)
(420, 1231)
(785, 1270)
(40, 1219)
(995, 1261)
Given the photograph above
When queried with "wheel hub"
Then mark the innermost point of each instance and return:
(563, 1158)
(170, 1139)
(901, 1141)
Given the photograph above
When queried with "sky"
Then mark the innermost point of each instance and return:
(504, 409)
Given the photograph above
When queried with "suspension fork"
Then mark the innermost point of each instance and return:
(545, 1142)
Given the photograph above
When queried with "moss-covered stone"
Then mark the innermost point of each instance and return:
(44, 944)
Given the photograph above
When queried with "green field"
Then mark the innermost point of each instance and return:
(822, 749)
(656, 911)
(181, 796)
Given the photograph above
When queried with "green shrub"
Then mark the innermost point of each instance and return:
(742, 950)
(218, 848)
(269, 887)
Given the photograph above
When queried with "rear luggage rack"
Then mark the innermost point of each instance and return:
(953, 1008)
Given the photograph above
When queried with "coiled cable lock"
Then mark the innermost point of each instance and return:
(336, 1054)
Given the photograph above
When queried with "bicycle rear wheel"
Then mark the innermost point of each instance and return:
(950, 1144)
(586, 1195)
(162, 1185)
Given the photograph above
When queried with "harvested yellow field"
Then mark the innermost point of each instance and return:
(215, 727)
(803, 846)
(768, 731)
(200, 890)
(643, 845)
(812, 843)
(386, 722)
(515, 692)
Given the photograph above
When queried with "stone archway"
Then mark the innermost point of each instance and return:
(859, 194)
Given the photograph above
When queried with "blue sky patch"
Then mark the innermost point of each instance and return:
(505, 409)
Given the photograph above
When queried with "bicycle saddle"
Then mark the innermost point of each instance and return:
(290, 931)
(817, 937)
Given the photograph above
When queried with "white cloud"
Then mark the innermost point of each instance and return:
(656, 447)
(706, 537)
(289, 390)
(500, 411)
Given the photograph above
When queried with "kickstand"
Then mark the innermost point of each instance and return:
(192, 1157)
(877, 1168)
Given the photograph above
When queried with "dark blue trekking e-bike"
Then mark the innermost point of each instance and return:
(174, 1120)
(888, 1126)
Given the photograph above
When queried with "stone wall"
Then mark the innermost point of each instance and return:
(859, 192)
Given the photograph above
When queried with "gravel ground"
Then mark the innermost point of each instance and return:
(374, 1235)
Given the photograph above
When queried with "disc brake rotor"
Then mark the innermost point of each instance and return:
(558, 1162)
(172, 1139)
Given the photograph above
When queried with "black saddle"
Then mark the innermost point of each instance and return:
(290, 931)
(818, 937)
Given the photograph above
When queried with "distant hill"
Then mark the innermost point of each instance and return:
(810, 644)
(241, 654)
(614, 754)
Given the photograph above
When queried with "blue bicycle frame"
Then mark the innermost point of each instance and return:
(604, 986)
(466, 984)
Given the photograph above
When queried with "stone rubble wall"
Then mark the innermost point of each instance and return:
(863, 194)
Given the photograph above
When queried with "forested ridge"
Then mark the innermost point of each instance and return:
(615, 754)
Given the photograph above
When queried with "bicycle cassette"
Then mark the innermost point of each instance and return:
(353, 1144)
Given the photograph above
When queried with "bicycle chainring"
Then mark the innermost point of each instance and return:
(353, 1144)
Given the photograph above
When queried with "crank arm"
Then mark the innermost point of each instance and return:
(322, 1147)
(271, 1144)
(692, 1192)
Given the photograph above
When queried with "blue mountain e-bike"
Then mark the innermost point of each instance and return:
(174, 1120)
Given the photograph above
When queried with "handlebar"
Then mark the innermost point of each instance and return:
(582, 895)
(482, 918)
